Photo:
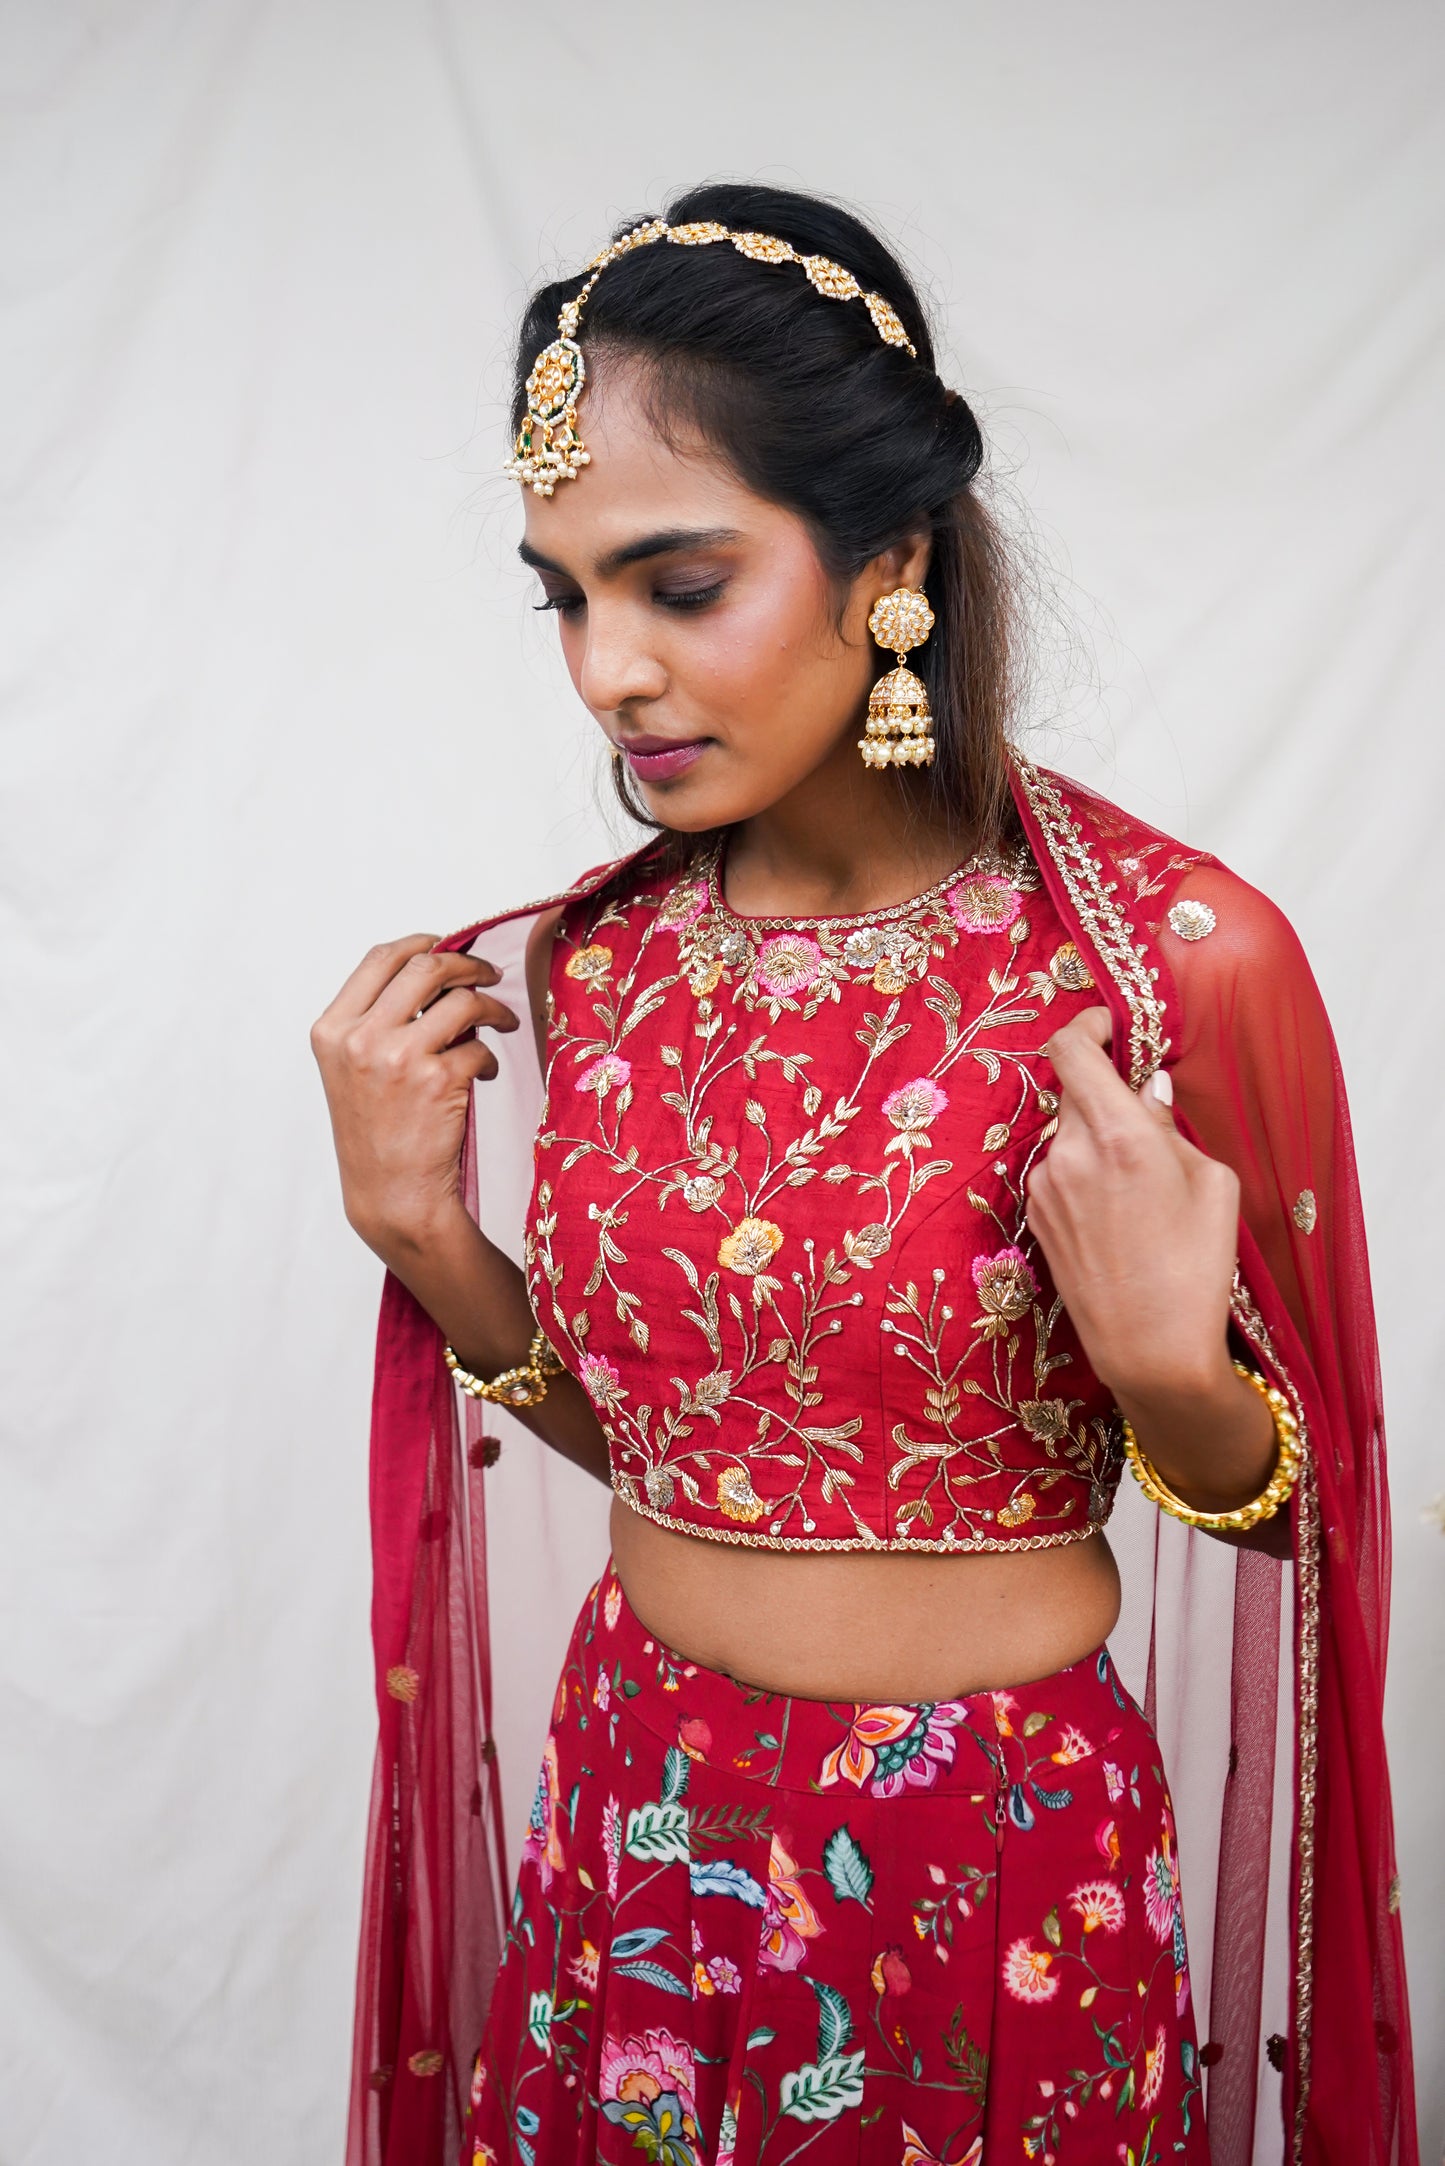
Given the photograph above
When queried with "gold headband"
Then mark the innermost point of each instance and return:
(549, 447)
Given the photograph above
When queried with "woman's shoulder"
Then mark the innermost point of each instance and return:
(1210, 922)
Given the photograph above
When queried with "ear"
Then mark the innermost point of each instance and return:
(904, 565)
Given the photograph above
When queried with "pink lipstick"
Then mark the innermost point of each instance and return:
(661, 759)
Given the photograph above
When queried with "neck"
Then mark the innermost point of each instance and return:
(846, 840)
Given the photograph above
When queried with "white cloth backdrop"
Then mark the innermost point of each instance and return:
(271, 693)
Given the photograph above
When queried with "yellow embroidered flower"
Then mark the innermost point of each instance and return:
(752, 1243)
(1068, 969)
(590, 962)
(704, 979)
(736, 1496)
(1017, 1510)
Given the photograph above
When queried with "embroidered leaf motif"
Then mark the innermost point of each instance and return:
(653, 1974)
(968, 2062)
(989, 1062)
(658, 1832)
(821, 2092)
(997, 1136)
(835, 2022)
(1019, 1810)
(676, 1768)
(850, 1876)
(712, 1825)
(719, 1876)
(1055, 1800)
(637, 1942)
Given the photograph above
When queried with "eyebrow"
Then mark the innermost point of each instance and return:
(667, 541)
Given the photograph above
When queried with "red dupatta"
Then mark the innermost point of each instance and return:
(1283, 1795)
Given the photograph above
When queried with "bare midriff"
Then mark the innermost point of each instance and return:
(864, 1624)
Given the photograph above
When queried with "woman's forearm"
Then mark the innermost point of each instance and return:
(1211, 1440)
(478, 1298)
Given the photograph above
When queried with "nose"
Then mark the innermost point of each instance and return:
(618, 663)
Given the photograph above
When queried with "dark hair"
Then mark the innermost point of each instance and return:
(814, 411)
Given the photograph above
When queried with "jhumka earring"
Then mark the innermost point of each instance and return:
(899, 732)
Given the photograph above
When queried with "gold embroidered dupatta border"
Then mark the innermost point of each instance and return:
(1091, 894)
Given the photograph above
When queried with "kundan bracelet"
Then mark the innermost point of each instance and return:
(525, 1385)
(1265, 1505)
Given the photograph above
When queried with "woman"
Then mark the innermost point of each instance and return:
(922, 1138)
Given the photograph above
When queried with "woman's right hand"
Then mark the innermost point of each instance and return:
(398, 1059)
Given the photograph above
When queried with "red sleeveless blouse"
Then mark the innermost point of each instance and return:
(778, 1218)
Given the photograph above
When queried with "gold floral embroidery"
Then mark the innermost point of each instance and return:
(1305, 1211)
(1191, 920)
(734, 1127)
(737, 1497)
(752, 1243)
(590, 963)
(1068, 969)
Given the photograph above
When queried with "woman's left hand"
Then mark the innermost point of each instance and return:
(1140, 1231)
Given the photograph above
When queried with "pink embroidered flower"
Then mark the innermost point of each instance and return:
(1026, 1972)
(917, 2153)
(1005, 1283)
(788, 964)
(913, 1105)
(600, 1380)
(1099, 1903)
(1151, 2081)
(684, 906)
(608, 1073)
(892, 1749)
(983, 902)
(542, 1844)
(612, 1844)
(789, 1919)
(641, 2068)
(1072, 1746)
(1161, 1892)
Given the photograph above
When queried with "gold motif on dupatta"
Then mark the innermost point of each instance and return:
(1191, 920)
(1306, 1211)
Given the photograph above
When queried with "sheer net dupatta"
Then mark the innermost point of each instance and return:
(436, 1871)
(1265, 1678)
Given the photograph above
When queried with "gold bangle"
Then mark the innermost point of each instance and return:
(526, 1385)
(1269, 1500)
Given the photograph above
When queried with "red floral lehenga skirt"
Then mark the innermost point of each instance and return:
(751, 1928)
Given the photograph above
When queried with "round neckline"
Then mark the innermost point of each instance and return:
(717, 900)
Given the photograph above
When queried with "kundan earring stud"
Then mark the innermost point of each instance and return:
(899, 731)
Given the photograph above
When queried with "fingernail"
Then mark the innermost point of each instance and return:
(1162, 1086)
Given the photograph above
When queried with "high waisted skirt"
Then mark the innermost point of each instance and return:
(752, 1929)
